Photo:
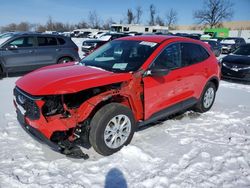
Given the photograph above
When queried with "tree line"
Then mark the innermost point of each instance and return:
(211, 15)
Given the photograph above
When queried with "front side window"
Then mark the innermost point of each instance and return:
(22, 42)
(169, 58)
(120, 55)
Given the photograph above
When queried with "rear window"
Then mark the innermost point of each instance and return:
(46, 41)
(61, 41)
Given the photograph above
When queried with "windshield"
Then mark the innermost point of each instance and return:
(6, 35)
(243, 50)
(2, 40)
(120, 55)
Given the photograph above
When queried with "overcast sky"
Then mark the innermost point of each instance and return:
(73, 11)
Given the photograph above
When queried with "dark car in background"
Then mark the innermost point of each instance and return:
(231, 43)
(237, 64)
(215, 46)
(90, 45)
(192, 35)
(22, 52)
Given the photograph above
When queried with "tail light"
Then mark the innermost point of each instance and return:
(76, 49)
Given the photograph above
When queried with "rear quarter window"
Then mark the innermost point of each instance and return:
(193, 53)
(61, 41)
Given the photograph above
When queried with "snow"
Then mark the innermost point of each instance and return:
(190, 150)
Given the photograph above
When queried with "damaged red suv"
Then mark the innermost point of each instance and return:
(124, 84)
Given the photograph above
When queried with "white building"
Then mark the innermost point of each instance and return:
(138, 28)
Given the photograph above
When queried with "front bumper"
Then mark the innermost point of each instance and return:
(36, 134)
(235, 74)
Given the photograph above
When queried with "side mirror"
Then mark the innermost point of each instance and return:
(157, 72)
(11, 47)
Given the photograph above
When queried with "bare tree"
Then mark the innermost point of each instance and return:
(23, 26)
(130, 16)
(10, 27)
(82, 24)
(41, 28)
(214, 12)
(49, 24)
(138, 14)
(159, 21)
(108, 24)
(152, 12)
(94, 20)
(171, 18)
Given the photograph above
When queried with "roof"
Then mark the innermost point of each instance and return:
(148, 38)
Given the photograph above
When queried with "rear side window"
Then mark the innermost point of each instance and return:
(61, 41)
(46, 41)
(193, 53)
(23, 42)
(169, 58)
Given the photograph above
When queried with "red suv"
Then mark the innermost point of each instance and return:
(124, 84)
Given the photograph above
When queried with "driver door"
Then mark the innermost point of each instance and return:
(161, 92)
(19, 54)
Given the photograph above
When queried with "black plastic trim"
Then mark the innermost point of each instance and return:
(170, 110)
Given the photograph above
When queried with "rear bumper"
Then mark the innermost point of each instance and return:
(36, 134)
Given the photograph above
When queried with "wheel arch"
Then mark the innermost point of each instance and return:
(113, 99)
(64, 56)
(2, 67)
(215, 81)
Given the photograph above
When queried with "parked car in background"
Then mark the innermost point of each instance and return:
(88, 46)
(126, 83)
(112, 36)
(28, 51)
(96, 34)
(237, 64)
(216, 46)
(192, 36)
(231, 43)
(84, 34)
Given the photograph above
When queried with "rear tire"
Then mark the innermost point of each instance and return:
(1, 72)
(207, 98)
(111, 128)
(64, 60)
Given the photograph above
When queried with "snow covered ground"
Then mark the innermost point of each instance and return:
(190, 150)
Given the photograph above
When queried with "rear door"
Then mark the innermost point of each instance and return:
(184, 82)
(47, 50)
(19, 54)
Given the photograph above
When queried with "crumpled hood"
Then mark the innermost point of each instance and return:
(67, 78)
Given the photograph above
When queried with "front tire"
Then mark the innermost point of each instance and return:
(111, 128)
(207, 98)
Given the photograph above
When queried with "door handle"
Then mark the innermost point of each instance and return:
(58, 49)
(31, 51)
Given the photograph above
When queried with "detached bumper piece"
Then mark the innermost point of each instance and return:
(65, 147)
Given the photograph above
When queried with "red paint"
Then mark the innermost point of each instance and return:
(144, 95)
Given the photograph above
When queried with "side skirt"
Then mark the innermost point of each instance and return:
(169, 111)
